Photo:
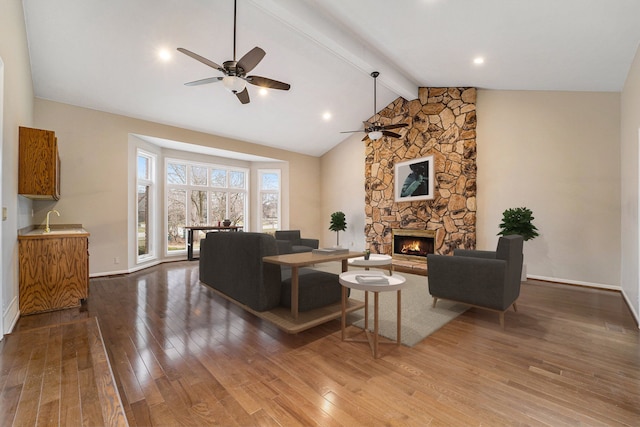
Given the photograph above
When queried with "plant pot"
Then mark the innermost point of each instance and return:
(226, 222)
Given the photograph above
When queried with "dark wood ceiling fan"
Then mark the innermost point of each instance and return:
(235, 72)
(375, 130)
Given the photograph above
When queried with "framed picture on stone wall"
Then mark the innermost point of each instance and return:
(414, 180)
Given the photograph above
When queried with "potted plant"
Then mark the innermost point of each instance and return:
(338, 224)
(519, 221)
(367, 254)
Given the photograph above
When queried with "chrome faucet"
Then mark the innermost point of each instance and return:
(46, 228)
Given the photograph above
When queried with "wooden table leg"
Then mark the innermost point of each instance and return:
(366, 310)
(345, 265)
(344, 311)
(399, 319)
(375, 325)
(294, 292)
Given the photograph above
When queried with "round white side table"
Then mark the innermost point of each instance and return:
(375, 260)
(394, 282)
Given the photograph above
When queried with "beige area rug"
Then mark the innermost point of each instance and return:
(419, 318)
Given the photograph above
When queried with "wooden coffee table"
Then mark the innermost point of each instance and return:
(305, 259)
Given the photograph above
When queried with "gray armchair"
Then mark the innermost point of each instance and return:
(289, 241)
(485, 279)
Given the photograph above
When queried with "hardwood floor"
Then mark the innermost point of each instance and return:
(182, 355)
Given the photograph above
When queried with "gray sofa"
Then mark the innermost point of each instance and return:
(484, 279)
(232, 264)
(289, 241)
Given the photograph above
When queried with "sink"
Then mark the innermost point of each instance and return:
(60, 231)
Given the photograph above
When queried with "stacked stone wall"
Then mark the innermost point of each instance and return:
(442, 123)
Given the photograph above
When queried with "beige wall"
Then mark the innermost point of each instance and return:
(554, 152)
(94, 153)
(630, 176)
(343, 190)
(16, 110)
(558, 154)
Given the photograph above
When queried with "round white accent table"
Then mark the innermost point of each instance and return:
(375, 260)
(366, 281)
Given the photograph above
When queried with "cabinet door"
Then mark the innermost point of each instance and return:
(39, 164)
(53, 273)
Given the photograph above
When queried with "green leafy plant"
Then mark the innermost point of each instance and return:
(338, 223)
(518, 221)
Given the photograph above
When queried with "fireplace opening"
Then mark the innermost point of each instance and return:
(413, 244)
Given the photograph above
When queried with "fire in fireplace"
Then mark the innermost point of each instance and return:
(412, 244)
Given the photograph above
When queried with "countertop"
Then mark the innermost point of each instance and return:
(57, 230)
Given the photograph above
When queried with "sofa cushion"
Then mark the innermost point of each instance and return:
(315, 289)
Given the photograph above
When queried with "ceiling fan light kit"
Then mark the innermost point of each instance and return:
(375, 130)
(375, 135)
(234, 84)
(235, 72)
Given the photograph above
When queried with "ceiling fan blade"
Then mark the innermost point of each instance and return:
(243, 96)
(204, 81)
(249, 61)
(268, 83)
(202, 59)
(391, 134)
(396, 126)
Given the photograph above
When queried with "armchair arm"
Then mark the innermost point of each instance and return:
(475, 254)
(471, 280)
(310, 242)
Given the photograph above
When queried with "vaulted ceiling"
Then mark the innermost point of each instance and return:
(104, 55)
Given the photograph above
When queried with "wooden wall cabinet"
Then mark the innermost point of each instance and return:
(54, 272)
(39, 164)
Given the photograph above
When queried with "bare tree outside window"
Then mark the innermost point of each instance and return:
(176, 219)
(200, 195)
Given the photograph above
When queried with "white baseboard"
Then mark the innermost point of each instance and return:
(10, 316)
(130, 270)
(575, 282)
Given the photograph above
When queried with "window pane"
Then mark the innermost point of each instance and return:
(218, 206)
(143, 167)
(269, 211)
(143, 220)
(198, 175)
(236, 179)
(176, 173)
(176, 219)
(270, 181)
(218, 178)
(198, 208)
(236, 208)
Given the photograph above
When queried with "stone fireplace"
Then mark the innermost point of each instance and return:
(412, 245)
(442, 124)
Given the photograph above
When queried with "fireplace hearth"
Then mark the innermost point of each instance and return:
(412, 244)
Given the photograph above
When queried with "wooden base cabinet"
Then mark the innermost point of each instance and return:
(54, 272)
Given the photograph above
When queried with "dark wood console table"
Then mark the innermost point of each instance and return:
(191, 228)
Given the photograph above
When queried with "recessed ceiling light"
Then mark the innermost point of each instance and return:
(164, 54)
(479, 60)
(326, 116)
(263, 91)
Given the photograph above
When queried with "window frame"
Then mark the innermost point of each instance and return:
(150, 182)
(188, 187)
(261, 191)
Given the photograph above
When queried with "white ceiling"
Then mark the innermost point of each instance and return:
(104, 55)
